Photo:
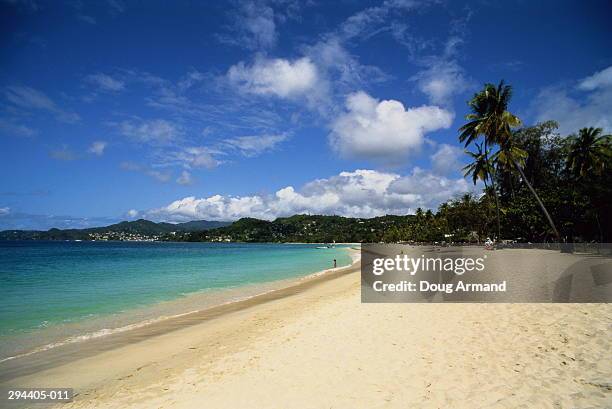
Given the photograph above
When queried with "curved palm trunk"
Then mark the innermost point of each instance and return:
(494, 193)
(496, 206)
(486, 227)
(550, 221)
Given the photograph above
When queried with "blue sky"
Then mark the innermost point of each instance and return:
(117, 110)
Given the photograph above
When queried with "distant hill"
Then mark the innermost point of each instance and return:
(297, 228)
(140, 227)
(306, 229)
(200, 225)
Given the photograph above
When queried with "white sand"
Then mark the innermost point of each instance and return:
(322, 348)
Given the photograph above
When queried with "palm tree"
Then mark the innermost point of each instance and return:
(483, 120)
(491, 119)
(481, 167)
(588, 152)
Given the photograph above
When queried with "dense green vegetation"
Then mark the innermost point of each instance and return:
(306, 229)
(544, 186)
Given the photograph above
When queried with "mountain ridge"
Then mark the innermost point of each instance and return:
(141, 227)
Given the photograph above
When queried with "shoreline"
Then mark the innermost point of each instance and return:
(316, 345)
(97, 326)
(76, 347)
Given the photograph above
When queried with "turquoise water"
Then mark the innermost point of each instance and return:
(45, 284)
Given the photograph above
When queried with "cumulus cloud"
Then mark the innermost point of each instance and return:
(154, 131)
(132, 213)
(105, 82)
(374, 129)
(361, 193)
(445, 159)
(31, 99)
(97, 148)
(585, 104)
(185, 179)
(278, 77)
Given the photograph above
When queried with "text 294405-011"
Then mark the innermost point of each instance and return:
(38, 394)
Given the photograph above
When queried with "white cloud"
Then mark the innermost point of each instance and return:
(105, 82)
(255, 22)
(185, 178)
(441, 81)
(342, 67)
(4, 211)
(253, 27)
(31, 99)
(429, 188)
(374, 129)
(258, 24)
(365, 22)
(361, 193)
(132, 213)
(97, 148)
(154, 131)
(255, 145)
(442, 77)
(587, 104)
(601, 79)
(194, 157)
(446, 159)
(278, 77)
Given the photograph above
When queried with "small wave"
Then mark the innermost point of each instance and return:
(92, 335)
(355, 257)
(110, 331)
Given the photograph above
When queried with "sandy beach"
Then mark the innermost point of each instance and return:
(316, 345)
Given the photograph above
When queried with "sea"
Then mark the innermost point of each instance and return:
(53, 292)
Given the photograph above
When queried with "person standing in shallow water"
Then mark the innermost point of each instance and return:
(335, 263)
